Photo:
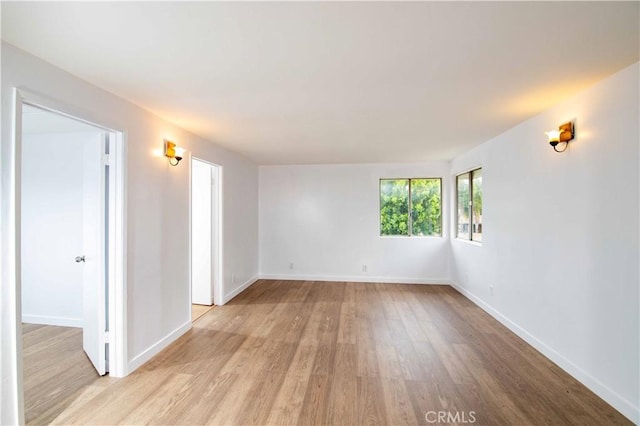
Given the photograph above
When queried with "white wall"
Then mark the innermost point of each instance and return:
(561, 237)
(52, 232)
(157, 213)
(325, 220)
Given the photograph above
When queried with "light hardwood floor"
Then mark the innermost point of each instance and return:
(303, 353)
(199, 310)
(55, 370)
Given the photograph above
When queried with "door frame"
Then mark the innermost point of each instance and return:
(218, 294)
(116, 282)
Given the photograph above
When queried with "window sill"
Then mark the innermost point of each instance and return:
(473, 243)
(412, 237)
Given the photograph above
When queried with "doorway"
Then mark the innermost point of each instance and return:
(69, 295)
(206, 273)
(64, 212)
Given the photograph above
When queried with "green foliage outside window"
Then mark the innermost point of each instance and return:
(469, 194)
(394, 207)
(423, 207)
(463, 205)
(476, 191)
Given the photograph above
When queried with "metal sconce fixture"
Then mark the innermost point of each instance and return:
(173, 152)
(564, 134)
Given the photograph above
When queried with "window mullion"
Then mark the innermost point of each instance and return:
(471, 205)
(409, 217)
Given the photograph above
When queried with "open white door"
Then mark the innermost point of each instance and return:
(201, 242)
(206, 187)
(216, 188)
(94, 335)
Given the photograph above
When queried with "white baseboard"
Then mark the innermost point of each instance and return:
(356, 279)
(616, 401)
(45, 320)
(227, 297)
(157, 347)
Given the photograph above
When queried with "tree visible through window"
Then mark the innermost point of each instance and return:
(411, 207)
(469, 200)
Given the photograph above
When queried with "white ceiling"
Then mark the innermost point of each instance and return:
(335, 82)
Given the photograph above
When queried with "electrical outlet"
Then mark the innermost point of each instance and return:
(364, 268)
(291, 265)
(491, 290)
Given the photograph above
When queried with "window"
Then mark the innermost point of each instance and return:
(469, 196)
(411, 207)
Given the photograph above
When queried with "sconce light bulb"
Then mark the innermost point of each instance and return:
(553, 135)
(179, 151)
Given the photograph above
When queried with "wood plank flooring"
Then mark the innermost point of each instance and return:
(312, 353)
(55, 370)
(199, 310)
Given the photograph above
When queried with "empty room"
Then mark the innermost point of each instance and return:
(320, 213)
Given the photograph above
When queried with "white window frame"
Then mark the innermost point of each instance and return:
(469, 172)
(410, 230)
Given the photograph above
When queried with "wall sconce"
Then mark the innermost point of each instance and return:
(173, 152)
(564, 134)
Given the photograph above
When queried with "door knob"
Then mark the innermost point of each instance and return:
(79, 259)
